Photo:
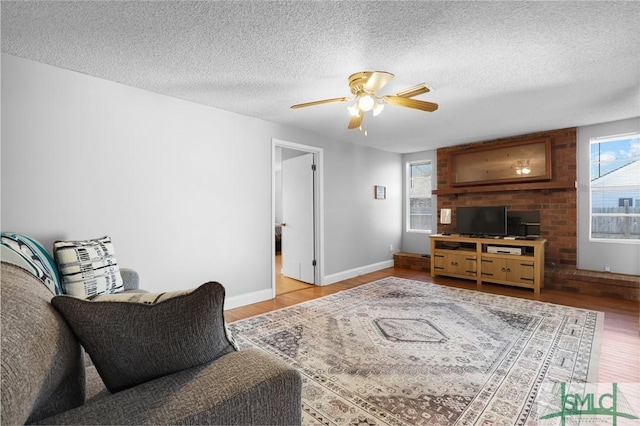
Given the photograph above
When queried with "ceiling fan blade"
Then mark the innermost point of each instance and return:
(377, 80)
(413, 91)
(356, 120)
(324, 101)
(410, 103)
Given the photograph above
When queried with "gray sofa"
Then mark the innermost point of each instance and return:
(45, 379)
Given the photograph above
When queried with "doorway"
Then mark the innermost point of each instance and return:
(297, 216)
(285, 284)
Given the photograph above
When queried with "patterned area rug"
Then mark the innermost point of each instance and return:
(402, 352)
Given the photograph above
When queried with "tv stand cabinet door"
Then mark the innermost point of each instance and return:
(520, 271)
(493, 268)
(462, 265)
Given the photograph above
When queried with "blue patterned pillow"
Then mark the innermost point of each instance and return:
(29, 254)
(88, 267)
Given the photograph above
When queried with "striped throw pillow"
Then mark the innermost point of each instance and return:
(88, 267)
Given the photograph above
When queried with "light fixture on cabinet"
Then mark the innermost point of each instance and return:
(445, 219)
(522, 167)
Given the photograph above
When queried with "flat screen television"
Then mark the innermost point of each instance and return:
(481, 221)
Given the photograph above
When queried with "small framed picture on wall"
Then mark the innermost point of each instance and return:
(380, 192)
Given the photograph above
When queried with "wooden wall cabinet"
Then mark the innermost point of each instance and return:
(522, 161)
(468, 258)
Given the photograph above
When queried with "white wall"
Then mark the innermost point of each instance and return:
(359, 228)
(183, 189)
(418, 242)
(621, 257)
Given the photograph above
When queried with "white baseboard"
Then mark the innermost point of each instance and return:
(247, 299)
(356, 272)
(262, 295)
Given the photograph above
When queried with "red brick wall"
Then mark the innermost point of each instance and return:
(558, 207)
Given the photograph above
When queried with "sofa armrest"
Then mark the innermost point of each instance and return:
(244, 387)
(130, 279)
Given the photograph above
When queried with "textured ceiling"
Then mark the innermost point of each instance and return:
(496, 68)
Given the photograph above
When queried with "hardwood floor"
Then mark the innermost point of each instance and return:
(620, 350)
(286, 284)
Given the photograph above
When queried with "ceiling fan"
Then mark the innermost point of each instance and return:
(364, 85)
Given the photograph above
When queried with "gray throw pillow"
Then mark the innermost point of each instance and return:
(132, 340)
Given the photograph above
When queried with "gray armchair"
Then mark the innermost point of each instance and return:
(45, 379)
(130, 279)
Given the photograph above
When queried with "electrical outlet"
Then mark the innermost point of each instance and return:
(390, 247)
(607, 268)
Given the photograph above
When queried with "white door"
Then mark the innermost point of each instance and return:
(298, 256)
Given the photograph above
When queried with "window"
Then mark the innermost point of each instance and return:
(419, 211)
(615, 188)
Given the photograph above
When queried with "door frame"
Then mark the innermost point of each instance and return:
(318, 208)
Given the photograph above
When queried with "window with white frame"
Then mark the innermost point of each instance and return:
(615, 188)
(419, 211)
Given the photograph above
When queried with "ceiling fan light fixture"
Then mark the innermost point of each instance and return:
(364, 86)
(377, 108)
(366, 102)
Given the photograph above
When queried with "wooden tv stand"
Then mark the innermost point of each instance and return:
(469, 258)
